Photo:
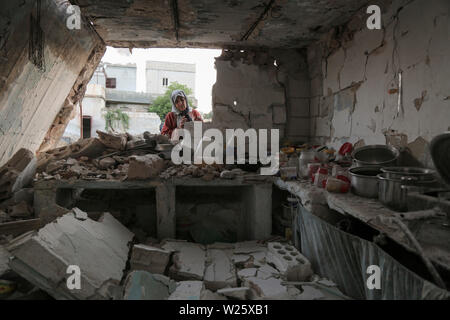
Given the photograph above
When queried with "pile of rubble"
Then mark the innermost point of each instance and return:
(102, 251)
(16, 192)
(123, 157)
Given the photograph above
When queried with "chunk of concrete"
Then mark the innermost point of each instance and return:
(310, 293)
(188, 290)
(209, 295)
(265, 288)
(106, 163)
(247, 273)
(142, 285)
(80, 214)
(266, 271)
(220, 271)
(292, 265)
(145, 167)
(188, 260)
(151, 259)
(239, 293)
(98, 248)
(20, 210)
(257, 252)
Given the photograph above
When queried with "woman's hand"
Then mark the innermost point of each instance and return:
(183, 120)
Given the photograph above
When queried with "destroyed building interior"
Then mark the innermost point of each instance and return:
(358, 208)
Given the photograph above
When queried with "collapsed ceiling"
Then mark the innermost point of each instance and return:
(214, 23)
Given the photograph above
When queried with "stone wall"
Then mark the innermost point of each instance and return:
(31, 99)
(354, 74)
(262, 89)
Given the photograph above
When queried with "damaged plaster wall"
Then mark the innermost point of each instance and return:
(354, 76)
(30, 99)
(262, 89)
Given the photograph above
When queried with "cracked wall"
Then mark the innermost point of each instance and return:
(354, 75)
(31, 100)
(263, 89)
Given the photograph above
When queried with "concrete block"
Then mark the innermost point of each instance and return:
(151, 259)
(299, 107)
(188, 290)
(317, 86)
(220, 271)
(188, 260)
(141, 285)
(145, 167)
(291, 264)
(239, 293)
(299, 88)
(98, 248)
(279, 114)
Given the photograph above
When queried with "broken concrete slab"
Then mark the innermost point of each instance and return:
(246, 273)
(188, 290)
(265, 288)
(145, 167)
(142, 285)
(310, 293)
(113, 141)
(239, 293)
(188, 260)
(148, 258)
(220, 271)
(4, 260)
(209, 295)
(289, 261)
(266, 271)
(98, 248)
(253, 249)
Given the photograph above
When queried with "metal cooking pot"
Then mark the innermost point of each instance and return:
(393, 192)
(398, 172)
(376, 155)
(364, 181)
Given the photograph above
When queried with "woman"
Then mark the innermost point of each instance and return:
(178, 116)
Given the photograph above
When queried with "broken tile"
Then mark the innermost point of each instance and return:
(98, 248)
(188, 260)
(246, 273)
(142, 285)
(236, 293)
(239, 259)
(151, 259)
(266, 272)
(289, 261)
(187, 290)
(219, 271)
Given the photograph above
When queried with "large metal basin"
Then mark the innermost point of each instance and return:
(376, 155)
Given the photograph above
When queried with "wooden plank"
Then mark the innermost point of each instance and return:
(16, 228)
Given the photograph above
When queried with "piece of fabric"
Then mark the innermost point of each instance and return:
(344, 259)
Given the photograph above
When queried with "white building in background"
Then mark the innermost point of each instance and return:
(159, 75)
(113, 86)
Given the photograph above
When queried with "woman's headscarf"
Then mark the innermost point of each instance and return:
(173, 98)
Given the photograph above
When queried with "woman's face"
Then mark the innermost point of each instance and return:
(180, 103)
